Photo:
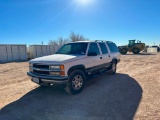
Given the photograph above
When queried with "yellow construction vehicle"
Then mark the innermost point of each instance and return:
(132, 47)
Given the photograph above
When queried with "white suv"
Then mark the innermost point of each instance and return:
(73, 62)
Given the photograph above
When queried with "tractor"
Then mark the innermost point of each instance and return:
(132, 47)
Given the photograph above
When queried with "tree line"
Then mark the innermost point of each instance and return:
(73, 37)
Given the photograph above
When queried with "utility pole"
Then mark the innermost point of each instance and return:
(42, 43)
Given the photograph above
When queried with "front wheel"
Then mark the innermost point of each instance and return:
(76, 82)
(136, 50)
(113, 68)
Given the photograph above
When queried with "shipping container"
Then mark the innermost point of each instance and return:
(35, 51)
(12, 52)
(152, 50)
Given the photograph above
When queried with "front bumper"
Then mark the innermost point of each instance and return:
(48, 79)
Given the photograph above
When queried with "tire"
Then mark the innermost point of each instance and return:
(136, 50)
(123, 51)
(113, 68)
(76, 82)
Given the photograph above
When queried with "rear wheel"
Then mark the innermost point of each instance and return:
(136, 50)
(123, 51)
(76, 82)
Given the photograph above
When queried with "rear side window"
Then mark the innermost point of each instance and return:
(103, 48)
(113, 47)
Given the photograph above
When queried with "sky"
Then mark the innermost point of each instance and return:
(33, 21)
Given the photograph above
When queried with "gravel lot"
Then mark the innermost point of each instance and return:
(132, 93)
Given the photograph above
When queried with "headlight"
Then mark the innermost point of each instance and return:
(59, 67)
(54, 67)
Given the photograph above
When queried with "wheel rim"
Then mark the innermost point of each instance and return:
(135, 50)
(123, 50)
(113, 67)
(77, 82)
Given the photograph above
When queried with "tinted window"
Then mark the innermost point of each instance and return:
(103, 48)
(94, 48)
(112, 46)
(73, 48)
(65, 49)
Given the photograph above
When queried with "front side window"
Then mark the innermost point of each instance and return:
(73, 48)
(103, 48)
(94, 48)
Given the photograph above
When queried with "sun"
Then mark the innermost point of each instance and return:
(84, 2)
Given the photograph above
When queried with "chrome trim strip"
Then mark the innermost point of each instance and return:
(41, 69)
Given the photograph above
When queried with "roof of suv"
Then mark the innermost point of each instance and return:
(91, 41)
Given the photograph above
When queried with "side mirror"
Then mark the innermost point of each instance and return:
(92, 54)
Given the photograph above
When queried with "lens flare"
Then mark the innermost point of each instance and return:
(84, 2)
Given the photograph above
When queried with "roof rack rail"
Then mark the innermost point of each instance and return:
(109, 41)
(99, 40)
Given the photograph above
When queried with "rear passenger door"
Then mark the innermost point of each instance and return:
(106, 59)
(93, 63)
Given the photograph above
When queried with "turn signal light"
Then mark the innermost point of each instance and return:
(62, 73)
(62, 67)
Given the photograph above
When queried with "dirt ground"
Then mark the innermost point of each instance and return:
(135, 93)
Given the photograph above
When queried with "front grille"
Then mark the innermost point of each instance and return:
(41, 66)
(41, 72)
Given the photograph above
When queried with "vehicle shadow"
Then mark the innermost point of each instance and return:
(106, 97)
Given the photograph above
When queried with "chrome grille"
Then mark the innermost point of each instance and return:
(41, 66)
(38, 69)
(41, 72)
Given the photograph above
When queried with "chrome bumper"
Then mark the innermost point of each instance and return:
(49, 79)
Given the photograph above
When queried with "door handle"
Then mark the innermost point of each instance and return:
(100, 57)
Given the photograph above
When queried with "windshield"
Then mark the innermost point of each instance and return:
(73, 48)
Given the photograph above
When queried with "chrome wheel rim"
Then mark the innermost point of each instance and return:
(113, 67)
(77, 82)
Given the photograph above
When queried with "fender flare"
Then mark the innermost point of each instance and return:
(79, 67)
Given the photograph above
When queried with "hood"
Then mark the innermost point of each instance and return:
(57, 58)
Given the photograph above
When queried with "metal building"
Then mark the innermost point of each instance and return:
(35, 51)
(13, 52)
